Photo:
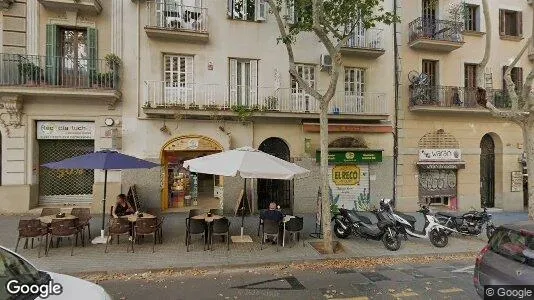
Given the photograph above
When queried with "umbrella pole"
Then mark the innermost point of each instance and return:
(102, 239)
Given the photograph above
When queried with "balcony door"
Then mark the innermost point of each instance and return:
(354, 89)
(179, 14)
(301, 101)
(178, 84)
(470, 78)
(74, 57)
(430, 68)
(243, 82)
(357, 39)
(429, 16)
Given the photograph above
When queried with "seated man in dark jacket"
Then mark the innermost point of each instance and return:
(272, 213)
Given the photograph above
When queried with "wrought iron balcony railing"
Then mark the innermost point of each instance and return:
(434, 29)
(57, 71)
(173, 16)
(453, 97)
(368, 39)
(161, 94)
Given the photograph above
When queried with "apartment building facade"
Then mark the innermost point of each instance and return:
(452, 152)
(59, 98)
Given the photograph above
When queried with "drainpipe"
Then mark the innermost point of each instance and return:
(396, 118)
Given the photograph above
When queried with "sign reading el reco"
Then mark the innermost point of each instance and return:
(346, 175)
(58, 130)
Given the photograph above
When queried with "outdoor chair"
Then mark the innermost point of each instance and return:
(216, 211)
(118, 227)
(270, 228)
(192, 213)
(220, 227)
(294, 226)
(260, 221)
(195, 227)
(63, 228)
(84, 216)
(145, 227)
(160, 219)
(50, 211)
(32, 229)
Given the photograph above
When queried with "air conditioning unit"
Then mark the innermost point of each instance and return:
(326, 62)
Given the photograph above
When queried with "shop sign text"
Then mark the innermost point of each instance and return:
(346, 175)
(440, 154)
(55, 130)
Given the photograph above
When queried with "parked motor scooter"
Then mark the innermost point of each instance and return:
(349, 222)
(431, 230)
(469, 223)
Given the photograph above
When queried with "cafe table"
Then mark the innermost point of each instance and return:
(134, 217)
(208, 220)
(286, 219)
(48, 219)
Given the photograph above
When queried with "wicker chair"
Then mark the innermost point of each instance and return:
(32, 229)
(195, 227)
(50, 211)
(220, 227)
(118, 227)
(84, 216)
(270, 228)
(294, 226)
(63, 228)
(146, 227)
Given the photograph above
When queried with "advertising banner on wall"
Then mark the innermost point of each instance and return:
(349, 186)
(59, 130)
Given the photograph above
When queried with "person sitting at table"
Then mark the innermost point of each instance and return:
(272, 214)
(122, 207)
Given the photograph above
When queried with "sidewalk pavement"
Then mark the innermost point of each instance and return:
(172, 253)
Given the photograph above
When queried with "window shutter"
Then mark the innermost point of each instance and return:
(233, 82)
(92, 52)
(189, 79)
(261, 10)
(52, 58)
(253, 81)
(519, 23)
(231, 9)
(502, 30)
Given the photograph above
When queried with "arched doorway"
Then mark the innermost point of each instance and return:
(279, 191)
(487, 171)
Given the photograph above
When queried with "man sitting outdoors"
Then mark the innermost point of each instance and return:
(272, 214)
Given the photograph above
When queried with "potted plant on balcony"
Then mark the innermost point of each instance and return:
(30, 73)
(114, 63)
(104, 80)
(212, 106)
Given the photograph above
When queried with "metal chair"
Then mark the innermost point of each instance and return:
(160, 219)
(192, 213)
(294, 226)
(220, 227)
(260, 221)
(195, 227)
(270, 228)
(118, 227)
(146, 227)
(216, 211)
(32, 229)
(50, 211)
(84, 217)
(63, 228)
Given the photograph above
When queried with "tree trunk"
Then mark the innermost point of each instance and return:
(325, 195)
(528, 139)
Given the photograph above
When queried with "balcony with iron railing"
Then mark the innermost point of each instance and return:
(85, 6)
(164, 98)
(366, 43)
(453, 98)
(58, 76)
(436, 35)
(171, 20)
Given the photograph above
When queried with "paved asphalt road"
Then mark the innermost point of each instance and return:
(438, 280)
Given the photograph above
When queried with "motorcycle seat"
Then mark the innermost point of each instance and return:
(448, 214)
(406, 217)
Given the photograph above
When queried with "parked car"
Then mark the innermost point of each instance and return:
(17, 275)
(508, 258)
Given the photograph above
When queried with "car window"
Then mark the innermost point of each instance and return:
(14, 267)
(513, 245)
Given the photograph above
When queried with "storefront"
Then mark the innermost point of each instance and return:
(349, 176)
(183, 190)
(58, 140)
(438, 176)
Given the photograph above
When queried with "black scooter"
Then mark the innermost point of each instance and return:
(469, 223)
(349, 222)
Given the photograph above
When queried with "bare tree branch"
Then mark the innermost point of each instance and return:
(518, 117)
(319, 30)
(481, 68)
(526, 93)
(510, 85)
(286, 39)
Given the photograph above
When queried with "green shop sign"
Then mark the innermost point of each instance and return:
(351, 157)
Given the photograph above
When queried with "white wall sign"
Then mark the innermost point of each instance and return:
(440, 154)
(58, 130)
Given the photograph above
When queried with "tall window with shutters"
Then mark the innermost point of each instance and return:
(472, 20)
(247, 10)
(300, 100)
(178, 79)
(243, 88)
(354, 89)
(510, 23)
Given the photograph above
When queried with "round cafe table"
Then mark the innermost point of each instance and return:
(48, 219)
(206, 218)
(133, 217)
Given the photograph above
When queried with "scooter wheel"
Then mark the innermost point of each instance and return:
(439, 238)
(391, 242)
(340, 232)
(490, 229)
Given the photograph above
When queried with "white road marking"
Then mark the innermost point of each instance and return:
(464, 270)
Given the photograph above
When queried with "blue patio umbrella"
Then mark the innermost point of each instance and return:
(102, 160)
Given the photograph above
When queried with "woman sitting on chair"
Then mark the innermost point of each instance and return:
(122, 207)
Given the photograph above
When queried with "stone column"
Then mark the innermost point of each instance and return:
(32, 31)
(116, 27)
